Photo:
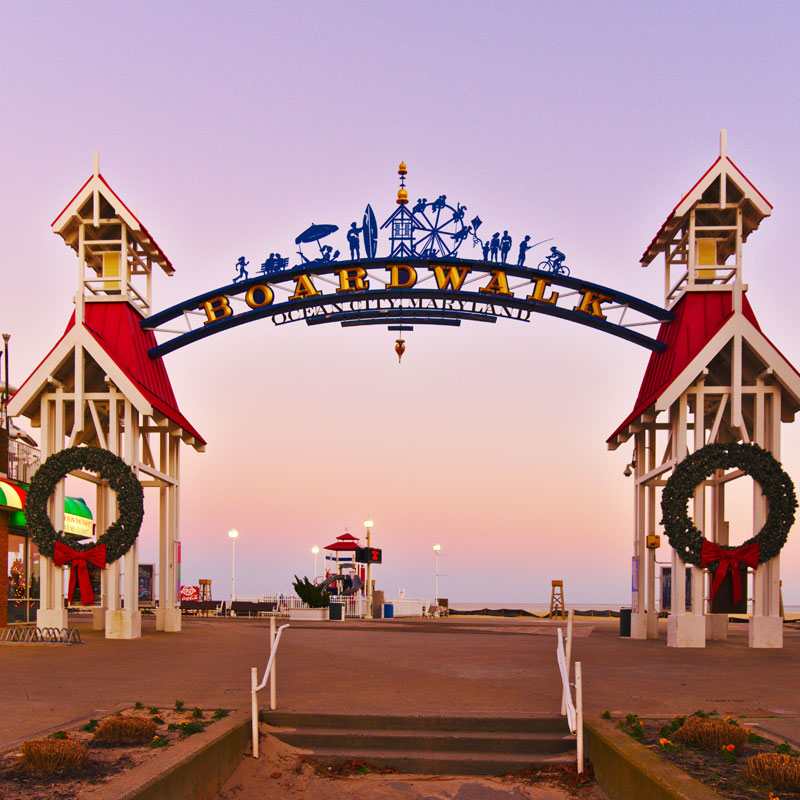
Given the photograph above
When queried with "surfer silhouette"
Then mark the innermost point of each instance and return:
(240, 266)
(354, 241)
(505, 246)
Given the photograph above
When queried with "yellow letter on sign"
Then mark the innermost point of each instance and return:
(538, 292)
(497, 285)
(409, 273)
(590, 303)
(351, 279)
(454, 277)
(217, 308)
(304, 287)
(259, 296)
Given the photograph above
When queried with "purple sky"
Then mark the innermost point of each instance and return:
(231, 127)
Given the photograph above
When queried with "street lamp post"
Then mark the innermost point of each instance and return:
(436, 548)
(234, 535)
(315, 550)
(368, 523)
(6, 337)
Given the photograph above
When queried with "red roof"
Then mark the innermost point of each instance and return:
(698, 317)
(116, 328)
(347, 535)
(653, 248)
(169, 268)
(342, 546)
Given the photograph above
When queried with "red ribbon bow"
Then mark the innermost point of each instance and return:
(79, 561)
(747, 555)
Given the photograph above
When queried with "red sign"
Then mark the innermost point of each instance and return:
(190, 593)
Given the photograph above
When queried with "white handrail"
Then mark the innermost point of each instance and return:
(574, 715)
(256, 688)
(569, 706)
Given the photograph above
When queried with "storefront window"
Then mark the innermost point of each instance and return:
(23, 579)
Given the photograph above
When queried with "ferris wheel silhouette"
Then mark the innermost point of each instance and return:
(439, 227)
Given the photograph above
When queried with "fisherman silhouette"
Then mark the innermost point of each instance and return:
(505, 245)
(523, 250)
(240, 265)
(354, 242)
(495, 246)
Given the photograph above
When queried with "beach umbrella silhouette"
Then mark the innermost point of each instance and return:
(314, 233)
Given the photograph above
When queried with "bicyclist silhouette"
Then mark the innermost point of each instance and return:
(554, 263)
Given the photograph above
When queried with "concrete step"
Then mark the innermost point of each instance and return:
(529, 723)
(427, 741)
(427, 763)
(433, 745)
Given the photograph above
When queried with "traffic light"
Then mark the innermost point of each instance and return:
(369, 555)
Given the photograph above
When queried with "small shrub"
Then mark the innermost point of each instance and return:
(785, 749)
(44, 756)
(153, 711)
(59, 735)
(138, 705)
(710, 734)
(753, 738)
(90, 726)
(666, 731)
(220, 713)
(606, 715)
(158, 719)
(186, 728)
(125, 729)
(704, 714)
(179, 704)
(773, 769)
(729, 753)
(197, 712)
(159, 741)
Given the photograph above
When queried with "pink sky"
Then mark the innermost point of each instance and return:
(232, 127)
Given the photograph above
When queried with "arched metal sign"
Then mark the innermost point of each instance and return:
(423, 280)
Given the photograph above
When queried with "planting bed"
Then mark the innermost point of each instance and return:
(106, 758)
(723, 768)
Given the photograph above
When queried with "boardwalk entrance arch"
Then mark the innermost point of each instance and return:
(713, 374)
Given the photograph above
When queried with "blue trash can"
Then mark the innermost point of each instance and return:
(388, 610)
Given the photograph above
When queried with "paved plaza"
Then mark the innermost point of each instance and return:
(464, 664)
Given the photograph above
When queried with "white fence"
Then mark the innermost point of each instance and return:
(355, 606)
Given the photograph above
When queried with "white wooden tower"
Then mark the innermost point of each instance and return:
(98, 387)
(719, 380)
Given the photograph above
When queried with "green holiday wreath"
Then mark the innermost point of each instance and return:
(120, 535)
(756, 462)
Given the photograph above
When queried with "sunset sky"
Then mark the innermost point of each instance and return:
(232, 127)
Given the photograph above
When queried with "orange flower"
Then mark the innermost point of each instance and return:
(729, 747)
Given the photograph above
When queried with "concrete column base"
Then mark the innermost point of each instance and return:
(168, 619)
(765, 632)
(52, 618)
(639, 626)
(123, 624)
(652, 625)
(716, 627)
(686, 630)
(98, 619)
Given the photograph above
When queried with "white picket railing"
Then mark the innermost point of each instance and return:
(573, 711)
(269, 675)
